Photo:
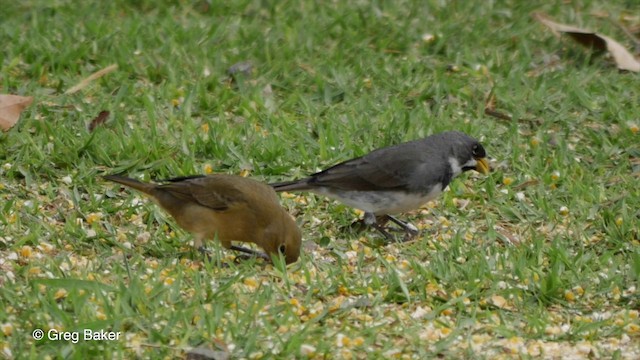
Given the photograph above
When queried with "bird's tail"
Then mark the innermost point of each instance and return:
(132, 183)
(295, 185)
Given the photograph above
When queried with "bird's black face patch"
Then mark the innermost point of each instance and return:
(477, 151)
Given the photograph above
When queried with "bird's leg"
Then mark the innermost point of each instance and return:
(410, 229)
(198, 244)
(250, 252)
(370, 220)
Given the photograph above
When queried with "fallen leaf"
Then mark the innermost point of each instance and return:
(623, 58)
(240, 72)
(96, 75)
(99, 120)
(243, 68)
(500, 302)
(10, 108)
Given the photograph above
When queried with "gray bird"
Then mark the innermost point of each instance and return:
(396, 179)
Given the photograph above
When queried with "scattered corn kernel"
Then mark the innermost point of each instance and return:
(507, 181)
(307, 350)
(208, 169)
(555, 175)
(632, 329)
(12, 218)
(7, 329)
(564, 211)
(359, 341)
(342, 340)
(26, 251)
(619, 221)
(204, 128)
(616, 293)
(444, 221)
(534, 141)
(634, 128)
(93, 217)
(343, 290)
(60, 294)
(569, 296)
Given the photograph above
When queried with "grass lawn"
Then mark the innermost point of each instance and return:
(539, 259)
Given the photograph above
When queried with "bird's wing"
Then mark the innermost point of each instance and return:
(404, 167)
(217, 193)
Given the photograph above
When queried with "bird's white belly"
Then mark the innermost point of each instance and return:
(381, 202)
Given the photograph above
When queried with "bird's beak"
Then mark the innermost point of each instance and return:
(482, 166)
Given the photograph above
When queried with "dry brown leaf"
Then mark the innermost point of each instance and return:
(498, 301)
(10, 108)
(98, 120)
(623, 58)
(96, 75)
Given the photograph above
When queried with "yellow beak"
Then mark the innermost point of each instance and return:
(483, 166)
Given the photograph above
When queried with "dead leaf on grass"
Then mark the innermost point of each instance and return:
(623, 58)
(499, 301)
(98, 120)
(11, 106)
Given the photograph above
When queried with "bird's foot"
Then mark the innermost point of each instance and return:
(410, 230)
(379, 222)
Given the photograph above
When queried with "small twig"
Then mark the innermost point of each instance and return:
(96, 75)
(526, 184)
(490, 107)
(497, 114)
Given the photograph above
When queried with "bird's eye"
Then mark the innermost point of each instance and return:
(477, 151)
(282, 248)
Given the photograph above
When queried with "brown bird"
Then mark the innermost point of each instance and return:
(226, 207)
(396, 179)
